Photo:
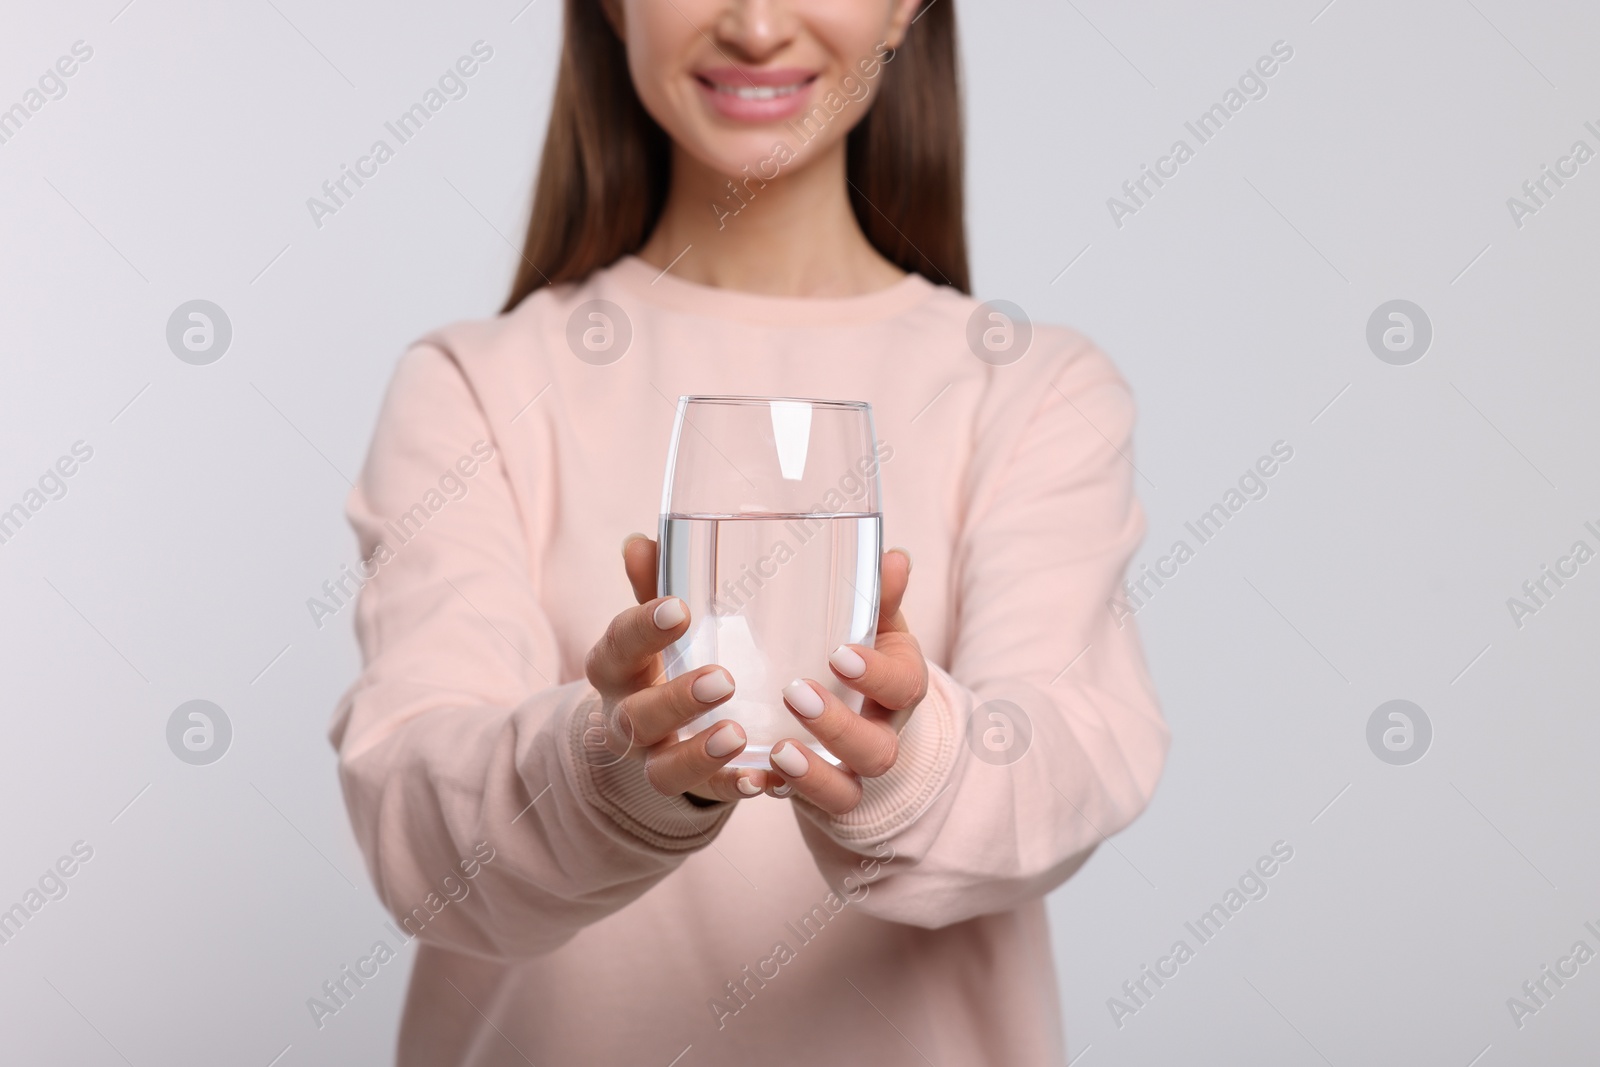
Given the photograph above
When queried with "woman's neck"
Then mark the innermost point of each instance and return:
(795, 235)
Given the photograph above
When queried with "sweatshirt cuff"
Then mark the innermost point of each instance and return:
(921, 772)
(617, 788)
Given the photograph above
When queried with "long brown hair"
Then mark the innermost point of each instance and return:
(606, 164)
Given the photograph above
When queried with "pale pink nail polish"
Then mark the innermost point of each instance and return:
(669, 613)
(788, 758)
(848, 662)
(725, 741)
(803, 699)
(713, 686)
(782, 790)
(748, 787)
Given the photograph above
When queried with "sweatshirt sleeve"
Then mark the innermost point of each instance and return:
(1043, 737)
(459, 741)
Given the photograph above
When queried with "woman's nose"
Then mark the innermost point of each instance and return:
(757, 29)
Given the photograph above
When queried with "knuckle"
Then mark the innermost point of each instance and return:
(908, 689)
(606, 655)
(649, 721)
(830, 728)
(613, 641)
(666, 713)
(846, 800)
(921, 680)
(593, 664)
(655, 772)
(882, 759)
(633, 627)
(619, 720)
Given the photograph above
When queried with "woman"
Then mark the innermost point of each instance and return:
(766, 197)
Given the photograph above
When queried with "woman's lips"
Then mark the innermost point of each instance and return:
(756, 95)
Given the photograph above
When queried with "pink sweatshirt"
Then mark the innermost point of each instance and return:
(566, 913)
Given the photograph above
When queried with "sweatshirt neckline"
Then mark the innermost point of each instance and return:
(668, 291)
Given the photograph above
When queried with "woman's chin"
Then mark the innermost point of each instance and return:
(763, 154)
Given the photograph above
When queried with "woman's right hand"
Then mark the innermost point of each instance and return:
(641, 712)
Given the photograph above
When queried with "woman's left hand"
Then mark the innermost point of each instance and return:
(892, 677)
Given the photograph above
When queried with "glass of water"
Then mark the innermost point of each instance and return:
(771, 527)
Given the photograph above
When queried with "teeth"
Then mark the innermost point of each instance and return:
(759, 92)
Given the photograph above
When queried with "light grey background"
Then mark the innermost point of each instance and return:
(1418, 500)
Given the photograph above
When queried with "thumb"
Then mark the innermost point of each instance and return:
(639, 559)
(893, 577)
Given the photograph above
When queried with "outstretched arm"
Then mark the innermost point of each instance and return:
(995, 779)
(498, 810)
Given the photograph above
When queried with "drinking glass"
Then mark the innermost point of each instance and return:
(770, 533)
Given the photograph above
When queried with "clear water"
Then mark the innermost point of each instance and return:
(770, 596)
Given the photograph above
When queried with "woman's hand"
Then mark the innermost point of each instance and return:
(641, 714)
(892, 676)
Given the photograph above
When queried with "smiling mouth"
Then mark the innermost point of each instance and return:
(755, 92)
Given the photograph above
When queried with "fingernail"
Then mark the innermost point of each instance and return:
(803, 699)
(630, 539)
(748, 787)
(782, 790)
(724, 742)
(713, 686)
(898, 549)
(669, 613)
(790, 760)
(848, 662)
